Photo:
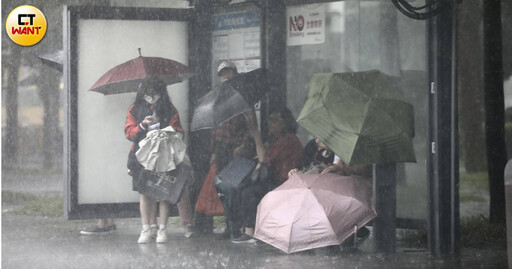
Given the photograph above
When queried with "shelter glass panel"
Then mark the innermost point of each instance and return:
(236, 38)
(102, 147)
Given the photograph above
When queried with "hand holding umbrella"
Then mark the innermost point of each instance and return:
(310, 211)
(361, 116)
(230, 99)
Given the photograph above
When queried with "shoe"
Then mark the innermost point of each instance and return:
(190, 231)
(260, 243)
(161, 236)
(362, 234)
(98, 230)
(244, 238)
(145, 236)
(188, 234)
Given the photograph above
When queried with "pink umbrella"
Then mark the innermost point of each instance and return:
(312, 210)
(127, 76)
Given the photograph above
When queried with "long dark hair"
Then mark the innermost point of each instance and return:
(290, 125)
(163, 106)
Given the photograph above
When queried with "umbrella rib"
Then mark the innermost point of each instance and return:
(320, 206)
(293, 220)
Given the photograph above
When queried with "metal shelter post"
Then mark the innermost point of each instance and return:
(384, 190)
(443, 157)
(273, 55)
(200, 59)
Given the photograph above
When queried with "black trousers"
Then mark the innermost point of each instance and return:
(250, 197)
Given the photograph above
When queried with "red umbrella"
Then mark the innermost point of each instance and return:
(313, 210)
(127, 76)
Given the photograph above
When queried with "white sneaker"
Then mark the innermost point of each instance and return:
(161, 236)
(145, 236)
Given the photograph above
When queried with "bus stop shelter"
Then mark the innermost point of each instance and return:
(293, 40)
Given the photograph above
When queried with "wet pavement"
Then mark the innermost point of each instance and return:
(45, 242)
(38, 242)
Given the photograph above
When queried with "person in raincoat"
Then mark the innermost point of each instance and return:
(152, 110)
(281, 154)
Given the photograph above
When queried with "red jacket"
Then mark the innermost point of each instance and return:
(135, 131)
(134, 127)
(284, 155)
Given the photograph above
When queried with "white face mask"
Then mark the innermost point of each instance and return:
(151, 99)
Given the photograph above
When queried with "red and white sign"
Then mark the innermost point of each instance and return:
(305, 25)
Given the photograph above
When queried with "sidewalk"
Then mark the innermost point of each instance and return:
(39, 242)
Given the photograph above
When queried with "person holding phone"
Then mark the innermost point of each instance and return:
(152, 110)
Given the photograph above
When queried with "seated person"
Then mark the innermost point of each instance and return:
(314, 159)
(340, 167)
(282, 154)
(364, 170)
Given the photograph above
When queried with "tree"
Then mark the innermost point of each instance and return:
(494, 108)
(470, 86)
(49, 95)
(11, 65)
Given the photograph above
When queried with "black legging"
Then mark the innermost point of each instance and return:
(250, 197)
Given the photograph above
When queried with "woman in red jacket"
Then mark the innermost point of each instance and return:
(281, 155)
(151, 110)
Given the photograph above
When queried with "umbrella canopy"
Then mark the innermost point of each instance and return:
(127, 76)
(53, 59)
(313, 210)
(361, 116)
(229, 99)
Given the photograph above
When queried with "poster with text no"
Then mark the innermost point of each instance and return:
(305, 25)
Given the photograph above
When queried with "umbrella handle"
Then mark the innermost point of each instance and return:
(140, 54)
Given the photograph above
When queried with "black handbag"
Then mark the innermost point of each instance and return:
(235, 174)
(164, 186)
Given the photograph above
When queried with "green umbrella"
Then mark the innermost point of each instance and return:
(361, 116)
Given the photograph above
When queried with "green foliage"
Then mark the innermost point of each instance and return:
(474, 187)
(174, 222)
(45, 205)
(471, 197)
(218, 221)
(414, 238)
(477, 232)
(478, 181)
(16, 198)
(508, 115)
(48, 205)
(32, 171)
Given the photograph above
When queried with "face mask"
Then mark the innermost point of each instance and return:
(151, 99)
